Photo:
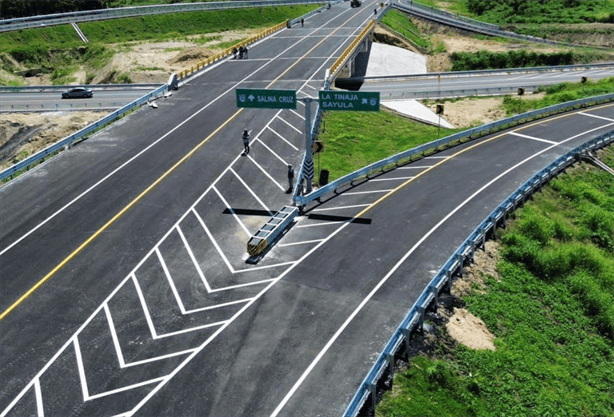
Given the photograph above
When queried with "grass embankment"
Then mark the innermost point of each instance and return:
(353, 140)
(480, 60)
(399, 22)
(58, 48)
(551, 310)
(559, 93)
(544, 19)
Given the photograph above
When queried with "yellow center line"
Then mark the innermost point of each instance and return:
(140, 196)
(384, 197)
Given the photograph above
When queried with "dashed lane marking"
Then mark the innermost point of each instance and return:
(532, 138)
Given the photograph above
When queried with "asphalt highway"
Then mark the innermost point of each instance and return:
(452, 85)
(134, 245)
(52, 100)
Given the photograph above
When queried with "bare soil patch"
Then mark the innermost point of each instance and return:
(469, 330)
(382, 34)
(23, 134)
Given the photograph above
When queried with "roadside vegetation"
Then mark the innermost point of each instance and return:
(551, 308)
(471, 61)
(353, 140)
(58, 49)
(400, 23)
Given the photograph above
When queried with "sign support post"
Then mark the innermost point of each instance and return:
(308, 170)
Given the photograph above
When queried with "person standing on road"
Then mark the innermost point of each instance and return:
(245, 142)
(290, 179)
(302, 22)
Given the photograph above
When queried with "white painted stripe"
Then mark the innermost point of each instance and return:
(389, 274)
(264, 206)
(171, 283)
(301, 103)
(126, 388)
(40, 411)
(312, 87)
(341, 207)
(366, 192)
(283, 161)
(392, 179)
(531, 137)
(159, 358)
(299, 115)
(118, 349)
(289, 124)
(266, 173)
(265, 267)
(213, 307)
(248, 284)
(192, 329)
(148, 319)
(284, 139)
(219, 250)
(81, 369)
(595, 116)
(238, 220)
(321, 224)
(200, 272)
(300, 243)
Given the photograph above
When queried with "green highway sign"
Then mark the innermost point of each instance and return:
(266, 99)
(349, 100)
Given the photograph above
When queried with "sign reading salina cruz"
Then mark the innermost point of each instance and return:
(266, 99)
(349, 100)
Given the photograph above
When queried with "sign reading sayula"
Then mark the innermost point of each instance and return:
(349, 100)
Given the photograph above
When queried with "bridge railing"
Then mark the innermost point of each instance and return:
(448, 141)
(122, 12)
(464, 253)
(80, 135)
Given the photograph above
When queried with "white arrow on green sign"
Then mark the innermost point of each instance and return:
(349, 100)
(266, 99)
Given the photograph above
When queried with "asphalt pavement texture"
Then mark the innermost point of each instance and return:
(160, 314)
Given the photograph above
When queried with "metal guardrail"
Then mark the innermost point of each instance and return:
(25, 164)
(343, 58)
(122, 12)
(448, 141)
(426, 14)
(270, 232)
(464, 92)
(455, 263)
(41, 88)
(478, 73)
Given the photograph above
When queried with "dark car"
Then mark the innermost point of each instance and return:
(79, 92)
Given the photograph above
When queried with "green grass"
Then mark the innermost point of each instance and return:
(471, 61)
(400, 23)
(552, 312)
(559, 93)
(353, 140)
(58, 47)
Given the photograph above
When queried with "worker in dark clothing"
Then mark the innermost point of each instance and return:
(302, 22)
(290, 179)
(245, 52)
(245, 142)
(374, 11)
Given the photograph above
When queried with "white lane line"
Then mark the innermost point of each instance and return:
(40, 411)
(171, 283)
(289, 124)
(126, 388)
(532, 138)
(302, 104)
(284, 139)
(248, 284)
(81, 369)
(192, 329)
(265, 267)
(152, 329)
(219, 250)
(266, 173)
(133, 277)
(312, 87)
(283, 161)
(392, 179)
(366, 192)
(321, 224)
(252, 192)
(417, 167)
(300, 243)
(595, 116)
(299, 115)
(243, 226)
(213, 307)
(143, 151)
(341, 207)
(393, 270)
(193, 258)
(522, 76)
